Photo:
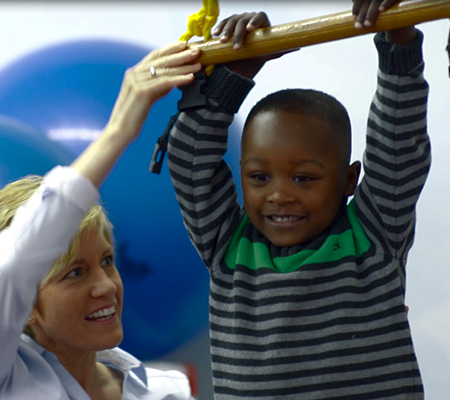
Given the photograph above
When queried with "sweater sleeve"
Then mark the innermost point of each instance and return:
(203, 182)
(39, 233)
(397, 156)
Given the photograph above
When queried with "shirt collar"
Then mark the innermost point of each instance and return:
(123, 361)
(116, 357)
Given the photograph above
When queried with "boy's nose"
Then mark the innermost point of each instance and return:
(281, 194)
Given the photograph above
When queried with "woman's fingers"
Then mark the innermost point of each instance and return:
(168, 60)
(152, 78)
(171, 48)
(173, 71)
(153, 73)
(173, 60)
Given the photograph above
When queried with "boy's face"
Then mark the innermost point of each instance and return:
(294, 177)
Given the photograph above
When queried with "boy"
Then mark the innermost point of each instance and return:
(307, 291)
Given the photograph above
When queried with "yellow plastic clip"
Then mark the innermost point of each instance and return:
(201, 23)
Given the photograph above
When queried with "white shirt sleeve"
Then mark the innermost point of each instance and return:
(168, 385)
(40, 232)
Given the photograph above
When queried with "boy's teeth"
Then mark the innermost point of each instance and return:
(284, 219)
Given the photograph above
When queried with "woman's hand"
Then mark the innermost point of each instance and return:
(145, 83)
(152, 78)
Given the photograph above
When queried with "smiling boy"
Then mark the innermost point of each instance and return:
(307, 291)
(293, 178)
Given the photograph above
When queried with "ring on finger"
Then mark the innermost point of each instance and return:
(152, 71)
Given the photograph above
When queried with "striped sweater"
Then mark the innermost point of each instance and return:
(325, 320)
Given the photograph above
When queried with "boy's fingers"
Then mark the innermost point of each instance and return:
(219, 28)
(356, 7)
(259, 20)
(366, 12)
(387, 4)
(241, 30)
(238, 25)
(372, 13)
(224, 26)
(229, 26)
(361, 15)
(377, 7)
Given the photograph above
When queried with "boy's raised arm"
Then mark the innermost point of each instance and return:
(397, 157)
(198, 141)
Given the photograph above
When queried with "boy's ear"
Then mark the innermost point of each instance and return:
(353, 172)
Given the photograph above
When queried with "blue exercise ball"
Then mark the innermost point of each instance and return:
(26, 151)
(67, 91)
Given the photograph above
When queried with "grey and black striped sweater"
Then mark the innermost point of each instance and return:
(326, 320)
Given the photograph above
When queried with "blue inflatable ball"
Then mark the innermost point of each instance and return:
(67, 91)
(26, 151)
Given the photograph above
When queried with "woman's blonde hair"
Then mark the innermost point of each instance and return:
(13, 195)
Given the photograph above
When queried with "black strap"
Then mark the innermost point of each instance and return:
(161, 147)
(448, 51)
(192, 98)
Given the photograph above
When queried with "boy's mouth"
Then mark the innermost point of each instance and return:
(283, 218)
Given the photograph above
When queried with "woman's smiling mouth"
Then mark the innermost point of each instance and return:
(102, 314)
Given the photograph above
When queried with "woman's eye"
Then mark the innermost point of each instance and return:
(72, 274)
(107, 261)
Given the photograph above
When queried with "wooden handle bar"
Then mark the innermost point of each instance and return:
(331, 27)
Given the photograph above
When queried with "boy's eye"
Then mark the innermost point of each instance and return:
(259, 177)
(302, 178)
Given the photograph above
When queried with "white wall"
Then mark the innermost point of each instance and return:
(345, 69)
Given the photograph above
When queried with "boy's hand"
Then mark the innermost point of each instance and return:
(366, 12)
(236, 27)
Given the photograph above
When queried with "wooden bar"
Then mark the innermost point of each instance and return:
(320, 30)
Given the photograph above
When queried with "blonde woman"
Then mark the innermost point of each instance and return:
(60, 292)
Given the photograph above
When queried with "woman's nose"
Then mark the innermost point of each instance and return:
(102, 284)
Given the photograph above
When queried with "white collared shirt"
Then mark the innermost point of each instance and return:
(40, 232)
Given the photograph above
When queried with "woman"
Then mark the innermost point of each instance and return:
(73, 320)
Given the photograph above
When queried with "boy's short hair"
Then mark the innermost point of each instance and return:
(13, 195)
(308, 102)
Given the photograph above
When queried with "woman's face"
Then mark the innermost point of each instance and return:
(80, 308)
